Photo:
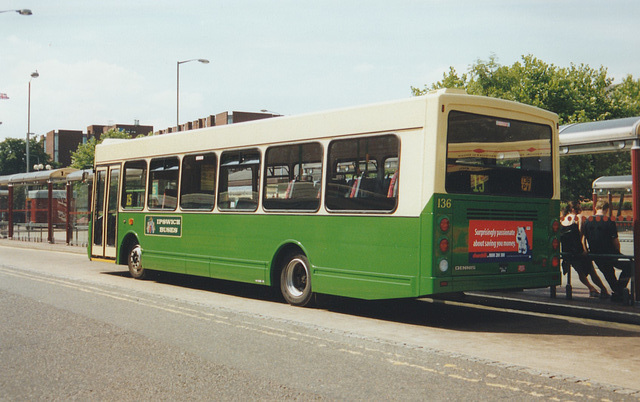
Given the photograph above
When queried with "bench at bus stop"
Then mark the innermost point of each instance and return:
(628, 298)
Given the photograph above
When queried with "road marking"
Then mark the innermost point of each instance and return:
(295, 336)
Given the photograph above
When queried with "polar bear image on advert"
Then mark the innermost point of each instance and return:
(521, 240)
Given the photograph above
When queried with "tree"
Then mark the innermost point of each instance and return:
(83, 156)
(13, 157)
(577, 93)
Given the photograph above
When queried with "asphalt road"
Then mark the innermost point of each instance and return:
(74, 329)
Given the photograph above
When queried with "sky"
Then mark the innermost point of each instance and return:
(115, 61)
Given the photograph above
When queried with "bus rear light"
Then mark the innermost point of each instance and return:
(544, 262)
(555, 226)
(555, 262)
(444, 284)
(444, 245)
(555, 243)
(444, 225)
(443, 265)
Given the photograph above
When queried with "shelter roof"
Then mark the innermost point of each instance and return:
(80, 175)
(39, 177)
(612, 183)
(599, 136)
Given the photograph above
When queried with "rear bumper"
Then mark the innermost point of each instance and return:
(490, 282)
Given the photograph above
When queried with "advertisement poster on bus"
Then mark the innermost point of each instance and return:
(500, 241)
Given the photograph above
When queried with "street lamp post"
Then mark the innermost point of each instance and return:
(33, 75)
(24, 11)
(204, 61)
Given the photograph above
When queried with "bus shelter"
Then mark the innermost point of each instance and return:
(44, 202)
(610, 136)
(621, 187)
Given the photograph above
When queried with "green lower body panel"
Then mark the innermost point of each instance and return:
(363, 285)
(356, 256)
(361, 256)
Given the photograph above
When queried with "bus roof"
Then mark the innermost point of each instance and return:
(397, 115)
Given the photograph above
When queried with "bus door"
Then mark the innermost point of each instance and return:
(105, 211)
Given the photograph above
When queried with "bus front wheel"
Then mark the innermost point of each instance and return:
(295, 281)
(135, 262)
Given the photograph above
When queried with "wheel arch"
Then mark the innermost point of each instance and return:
(130, 239)
(285, 249)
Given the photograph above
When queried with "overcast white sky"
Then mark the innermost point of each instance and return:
(114, 61)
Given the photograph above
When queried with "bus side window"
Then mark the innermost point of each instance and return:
(134, 185)
(239, 180)
(198, 182)
(293, 176)
(163, 183)
(360, 174)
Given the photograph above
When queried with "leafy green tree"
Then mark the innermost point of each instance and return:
(627, 96)
(577, 93)
(83, 156)
(13, 157)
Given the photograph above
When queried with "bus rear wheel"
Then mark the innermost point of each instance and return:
(135, 263)
(295, 280)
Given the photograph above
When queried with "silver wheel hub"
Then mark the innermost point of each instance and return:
(296, 279)
(135, 259)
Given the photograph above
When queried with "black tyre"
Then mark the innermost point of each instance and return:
(295, 280)
(135, 263)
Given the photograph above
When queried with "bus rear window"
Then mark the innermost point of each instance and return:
(495, 156)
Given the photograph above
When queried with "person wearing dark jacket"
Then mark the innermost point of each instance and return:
(601, 237)
(574, 252)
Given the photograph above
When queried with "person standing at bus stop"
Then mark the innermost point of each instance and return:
(601, 237)
(575, 253)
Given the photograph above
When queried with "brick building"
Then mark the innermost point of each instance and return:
(59, 144)
(96, 131)
(219, 120)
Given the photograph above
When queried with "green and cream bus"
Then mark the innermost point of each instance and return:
(435, 194)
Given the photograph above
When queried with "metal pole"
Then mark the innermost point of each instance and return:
(610, 199)
(33, 75)
(178, 96)
(50, 212)
(204, 61)
(69, 223)
(635, 193)
(10, 207)
(28, 124)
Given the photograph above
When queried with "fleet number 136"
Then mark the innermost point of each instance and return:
(444, 203)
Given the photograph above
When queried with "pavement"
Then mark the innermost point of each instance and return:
(579, 304)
